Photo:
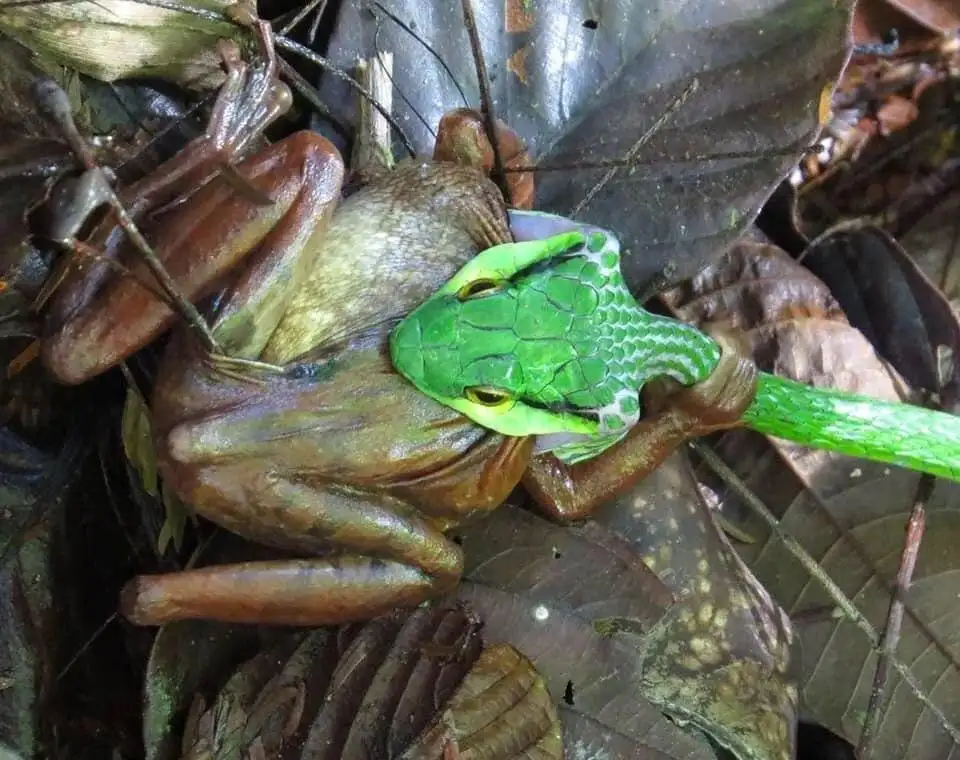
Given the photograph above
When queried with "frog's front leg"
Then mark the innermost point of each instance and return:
(393, 557)
(673, 415)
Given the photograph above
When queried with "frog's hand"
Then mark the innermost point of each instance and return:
(572, 492)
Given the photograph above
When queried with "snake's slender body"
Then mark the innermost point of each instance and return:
(552, 343)
(899, 434)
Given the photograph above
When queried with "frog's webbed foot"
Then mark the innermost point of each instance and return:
(717, 403)
(250, 99)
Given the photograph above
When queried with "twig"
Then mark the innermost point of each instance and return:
(486, 102)
(53, 100)
(326, 65)
(687, 158)
(305, 11)
(85, 646)
(891, 633)
(668, 113)
(713, 460)
(372, 147)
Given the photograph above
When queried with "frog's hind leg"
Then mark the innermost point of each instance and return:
(250, 99)
(200, 245)
(388, 556)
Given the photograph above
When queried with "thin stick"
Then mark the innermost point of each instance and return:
(302, 14)
(486, 101)
(54, 101)
(85, 646)
(620, 163)
(631, 154)
(891, 634)
(372, 147)
(712, 459)
(319, 60)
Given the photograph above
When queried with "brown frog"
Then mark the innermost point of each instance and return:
(295, 431)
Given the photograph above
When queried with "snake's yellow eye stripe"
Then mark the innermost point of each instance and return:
(487, 396)
(483, 286)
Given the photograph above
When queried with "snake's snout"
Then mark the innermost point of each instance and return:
(423, 348)
(406, 349)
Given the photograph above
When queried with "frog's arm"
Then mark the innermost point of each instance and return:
(573, 491)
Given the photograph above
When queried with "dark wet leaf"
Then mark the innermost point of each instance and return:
(568, 601)
(731, 92)
(186, 659)
(32, 487)
(26, 642)
(721, 641)
(721, 655)
(933, 244)
(116, 39)
(590, 739)
(849, 515)
(885, 295)
(595, 674)
(586, 570)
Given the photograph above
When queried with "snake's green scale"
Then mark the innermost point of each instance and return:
(543, 337)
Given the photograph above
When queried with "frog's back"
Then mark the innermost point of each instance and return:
(388, 247)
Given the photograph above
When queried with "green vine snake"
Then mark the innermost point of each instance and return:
(542, 337)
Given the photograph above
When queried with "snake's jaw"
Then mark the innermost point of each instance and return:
(518, 420)
(512, 418)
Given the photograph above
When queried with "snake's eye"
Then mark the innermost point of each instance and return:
(481, 287)
(485, 395)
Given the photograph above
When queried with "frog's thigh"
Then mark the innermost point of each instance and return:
(283, 260)
(200, 243)
(351, 586)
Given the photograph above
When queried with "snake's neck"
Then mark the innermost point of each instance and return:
(664, 346)
(634, 344)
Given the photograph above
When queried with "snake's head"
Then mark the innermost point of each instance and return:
(497, 342)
